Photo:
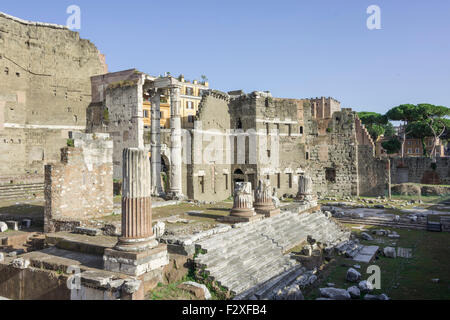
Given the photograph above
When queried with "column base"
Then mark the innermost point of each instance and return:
(236, 219)
(136, 263)
(136, 245)
(266, 209)
(268, 212)
(171, 195)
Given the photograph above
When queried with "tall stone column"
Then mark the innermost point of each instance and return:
(263, 199)
(176, 191)
(243, 200)
(137, 234)
(155, 140)
(137, 252)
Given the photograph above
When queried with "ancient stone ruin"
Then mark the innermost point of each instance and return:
(137, 252)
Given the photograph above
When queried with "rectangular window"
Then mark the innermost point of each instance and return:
(289, 130)
(417, 150)
(409, 150)
(290, 180)
(145, 113)
(278, 180)
(201, 181)
(189, 91)
(191, 119)
(330, 175)
(226, 181)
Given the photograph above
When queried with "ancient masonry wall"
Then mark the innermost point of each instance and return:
(124, 103)
(419, 170)
(280, 115)
(81, 185)
(208, 176)
(372, 173)
(332, 149)
(44, 69)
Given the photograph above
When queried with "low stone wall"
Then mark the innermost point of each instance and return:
(81, 185)
(372, 173)
(32, 284)
(419, 170)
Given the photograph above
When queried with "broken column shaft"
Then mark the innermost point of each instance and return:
(137, 232)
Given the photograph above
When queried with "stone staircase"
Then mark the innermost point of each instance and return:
(249, 255)
(22, 191)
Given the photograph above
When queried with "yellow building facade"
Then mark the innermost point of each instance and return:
(190, 98)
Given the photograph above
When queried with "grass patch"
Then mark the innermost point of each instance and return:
(401, 278)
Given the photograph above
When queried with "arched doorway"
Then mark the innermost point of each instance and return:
(238, 176)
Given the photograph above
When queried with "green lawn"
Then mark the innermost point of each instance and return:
(402, 278)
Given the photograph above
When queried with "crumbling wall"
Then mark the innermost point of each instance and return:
(117, 109)
(419, 170)
(81, 185)
(332, 149)
(208, 175)
(44, 70)
(372, 173)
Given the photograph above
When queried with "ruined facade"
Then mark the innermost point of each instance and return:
(80, 186)
(335, 151)
(238, 137)
(44, 70)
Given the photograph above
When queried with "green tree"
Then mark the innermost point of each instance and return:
(392, 146)
(406, 113)
(375, 123)
(433, 123)
(421, 121)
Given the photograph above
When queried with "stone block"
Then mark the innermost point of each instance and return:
(88, 231)
(13, 225)
(136, 263)
(3, 227)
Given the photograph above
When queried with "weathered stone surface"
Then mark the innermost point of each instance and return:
(80, 186)
(131, 286)
(48, 78)
(292, 292)
(354, 292)
(366, 236)
(365, 286)
(20, 263)
(390, 252)
(26, 223)
(243, 200)
(87, 231)
(353, 275)
(137, 232)
(158, 229)
(335, 294)
(13, 225)
(199, 290)
(3, 227)
(376, 297)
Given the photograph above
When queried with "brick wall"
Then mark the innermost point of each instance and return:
(81, 185)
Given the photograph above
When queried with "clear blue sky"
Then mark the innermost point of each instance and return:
(295, 49)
